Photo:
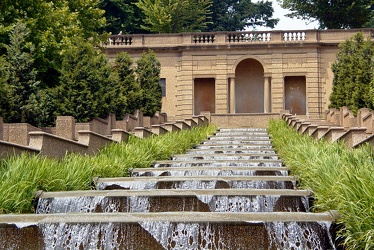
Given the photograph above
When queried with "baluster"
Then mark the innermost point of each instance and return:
(303, 36)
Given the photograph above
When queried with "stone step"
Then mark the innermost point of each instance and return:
(230, 151)
(220, 163)
(243, 130)
(231, 157)
(236, 142)
(25, 220)
(213, 171)
(228, 146)
(171, 230)
(241, 133)
(197, 182)
(248, 138)
(168, 200)
(173, 192)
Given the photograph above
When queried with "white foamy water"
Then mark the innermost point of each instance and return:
(222, 203)
(299, 235)
(80, 236)
(182, 236)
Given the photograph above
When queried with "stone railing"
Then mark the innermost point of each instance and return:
(221, 38)
(85, 138)
(337, 125)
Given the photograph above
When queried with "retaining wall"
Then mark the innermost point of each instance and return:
(337, 125)
(84, 138)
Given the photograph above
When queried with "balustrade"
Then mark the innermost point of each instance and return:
(208, 38)
(203, 38)
(120, 40)
(294, 36)
(249, 37)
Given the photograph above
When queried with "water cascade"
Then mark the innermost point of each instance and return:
(230, 192)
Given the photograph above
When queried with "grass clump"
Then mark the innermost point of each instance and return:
(341, 179)
(21, 176)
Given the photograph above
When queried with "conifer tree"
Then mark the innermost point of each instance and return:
(148, 74)
(129, 93)
(87, 85)
(353, 74)
(18, 82)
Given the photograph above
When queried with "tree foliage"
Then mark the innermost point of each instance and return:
(19, 82)
(51, 25)
(122, 15)
(128, 87)
(332, 14)
(87, 85)
(353, 74)
(172, 16)
(231, 15)
(148, 74)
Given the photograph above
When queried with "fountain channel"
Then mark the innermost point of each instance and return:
(230, 192)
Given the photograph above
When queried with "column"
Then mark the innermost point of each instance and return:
(266, 94)
(232, 94)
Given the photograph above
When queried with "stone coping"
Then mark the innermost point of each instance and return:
(226, 154)
(228, 168)
(230, 142)
(197, 178)
(224, 151)
(24, 220)
(240, 161)
(18, 146)
(173, 192)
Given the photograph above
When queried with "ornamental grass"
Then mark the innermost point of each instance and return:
(341, 179)
(21, 176)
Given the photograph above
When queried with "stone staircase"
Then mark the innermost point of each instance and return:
(230, 192)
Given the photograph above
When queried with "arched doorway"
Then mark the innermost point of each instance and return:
(249, 87)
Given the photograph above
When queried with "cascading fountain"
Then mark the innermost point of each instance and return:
(230, 192)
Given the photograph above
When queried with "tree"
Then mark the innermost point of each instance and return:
(331, 14)
(51, 25)
(353, 73)
(4, 76)
(148, 74)
(129, 93)
(231, 15)
(173, 16)
(19, 82)
(87, 85)
(122, 15)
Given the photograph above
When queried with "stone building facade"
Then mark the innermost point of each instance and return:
(241, 72)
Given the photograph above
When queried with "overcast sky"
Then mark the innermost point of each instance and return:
(286, 23)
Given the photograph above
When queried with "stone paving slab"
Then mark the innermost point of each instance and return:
(22, 220)
(197, 178)
(200, 170)
(175, 192)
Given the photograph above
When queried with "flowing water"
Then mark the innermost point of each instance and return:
(227, 149)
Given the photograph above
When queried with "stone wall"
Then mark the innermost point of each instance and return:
(337, 125)
(188, 58)
(84, 138)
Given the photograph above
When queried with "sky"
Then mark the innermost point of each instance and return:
(286, 23)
